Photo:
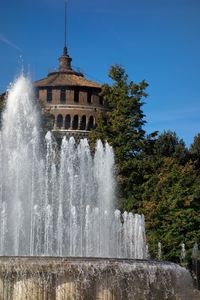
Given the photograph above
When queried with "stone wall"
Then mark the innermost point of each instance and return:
(43, 278)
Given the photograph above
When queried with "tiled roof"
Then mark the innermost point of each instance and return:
(65, 79)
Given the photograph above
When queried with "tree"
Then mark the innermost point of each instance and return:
(169, 145)
(122, 127)
(195, 150)
(171, 204)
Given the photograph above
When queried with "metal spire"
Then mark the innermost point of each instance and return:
(65, 37)
(65, 59)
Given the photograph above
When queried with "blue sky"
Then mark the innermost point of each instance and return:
(155, 40)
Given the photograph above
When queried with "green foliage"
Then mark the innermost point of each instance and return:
(195, 150)
(169, 145)
(157, 175)
(122, 127)
(171, 206)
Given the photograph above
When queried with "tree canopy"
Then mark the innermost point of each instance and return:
(195, 150)
(157, 175)
(122, 127)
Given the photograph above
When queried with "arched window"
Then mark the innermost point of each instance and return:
(59, 122)
(67, 122)
(91, 123)
(75, 122)
(83, 123)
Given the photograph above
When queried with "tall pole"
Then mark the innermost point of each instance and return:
(65, 38)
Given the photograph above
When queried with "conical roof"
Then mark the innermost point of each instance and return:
(65, 75)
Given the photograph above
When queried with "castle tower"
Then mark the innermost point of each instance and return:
(73, 100)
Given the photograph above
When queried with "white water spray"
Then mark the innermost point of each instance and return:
(60, 203)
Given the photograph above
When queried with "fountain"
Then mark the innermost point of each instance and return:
(60, 235)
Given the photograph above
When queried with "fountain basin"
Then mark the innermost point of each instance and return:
(57, 278)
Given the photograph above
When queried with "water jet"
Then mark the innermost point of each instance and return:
(61, 237)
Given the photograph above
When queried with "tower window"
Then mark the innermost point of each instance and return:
(49, 94)
(59, 121)
(76, 96)
(63, 95)
(75, 122)
(83, 123)
(91, 123)
(67, 122)
(89, 97)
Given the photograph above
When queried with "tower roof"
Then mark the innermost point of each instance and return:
(65, 79)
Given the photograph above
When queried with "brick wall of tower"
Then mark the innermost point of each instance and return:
(83, 114)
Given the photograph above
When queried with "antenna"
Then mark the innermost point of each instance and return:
(65, 37)
(65, 59)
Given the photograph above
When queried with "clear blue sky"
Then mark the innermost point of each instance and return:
(155, 40)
